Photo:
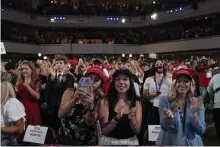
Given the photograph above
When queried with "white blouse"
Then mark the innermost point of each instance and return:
(12, 111)
(151, 86)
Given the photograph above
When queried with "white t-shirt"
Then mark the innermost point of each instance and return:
(137, 89)
(12, 111)
(213, 85)
(151, 86)
(106, 72)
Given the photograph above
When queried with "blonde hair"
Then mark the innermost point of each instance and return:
(173, 94)
(20, 78)
(7, 92)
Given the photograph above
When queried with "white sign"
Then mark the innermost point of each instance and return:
(3, 51)
(35, 134)
(153, 132)
(156, 102)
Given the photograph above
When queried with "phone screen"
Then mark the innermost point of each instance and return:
(85, 83)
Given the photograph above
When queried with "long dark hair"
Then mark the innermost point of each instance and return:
(153, 70)
(112, 93)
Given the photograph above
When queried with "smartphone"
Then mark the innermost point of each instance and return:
(85, 83)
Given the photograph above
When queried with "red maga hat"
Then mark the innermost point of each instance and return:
(98, 71)
(184, 71)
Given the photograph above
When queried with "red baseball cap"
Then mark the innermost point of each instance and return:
(97, 70)
(191, 73)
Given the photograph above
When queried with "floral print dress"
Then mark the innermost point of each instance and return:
(74, 131)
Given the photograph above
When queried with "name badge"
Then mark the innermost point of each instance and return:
(35, 134)
(153, 132)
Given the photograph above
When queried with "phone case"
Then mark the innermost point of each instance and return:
(85, 83)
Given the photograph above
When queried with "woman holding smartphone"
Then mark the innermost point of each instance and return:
(78, 111)
(156, 85)
(181, 114)
(120, 115)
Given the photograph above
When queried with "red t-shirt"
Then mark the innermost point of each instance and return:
(203, 80)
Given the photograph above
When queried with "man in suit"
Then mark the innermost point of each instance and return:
(59, 81)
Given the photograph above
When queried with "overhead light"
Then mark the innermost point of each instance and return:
(45, 57)
(171, 11)
(117, 18)
(141, 55)
(176, 10)
(123, 20)
(55, 17)
(52, 20)
(51, 2)
(181, 9)
(123, 55)
(154, 16)
(154, 2)
(107, 18)
(63, 17)
(168, 11)
(111, 18)
(206, 17)
(39, 54)
(130, 55)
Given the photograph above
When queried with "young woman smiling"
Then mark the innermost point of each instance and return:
(120, 115)
(181, 114)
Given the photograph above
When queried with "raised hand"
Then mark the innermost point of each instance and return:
(195, 104)
(132, 115)
(168, 113)
(120, 112)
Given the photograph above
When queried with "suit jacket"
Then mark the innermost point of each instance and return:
(54, 91)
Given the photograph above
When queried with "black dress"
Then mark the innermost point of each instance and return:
(74, 131)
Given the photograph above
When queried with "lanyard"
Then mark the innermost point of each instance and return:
(158, 86)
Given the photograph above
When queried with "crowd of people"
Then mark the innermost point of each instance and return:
(110, 102)
(146, 35)
(55, 7)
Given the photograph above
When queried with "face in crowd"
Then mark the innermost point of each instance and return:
(26, 70)
(122, 83)
(159, 66)
(128, 65)
(183, 84)
(96, 81)
(60, 65)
